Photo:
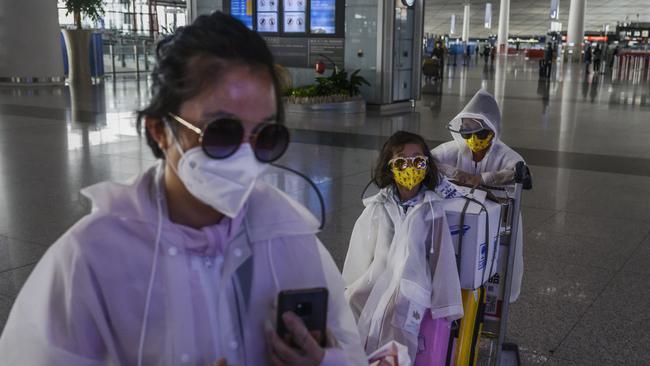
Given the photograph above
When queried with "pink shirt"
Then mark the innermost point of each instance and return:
(210, 241)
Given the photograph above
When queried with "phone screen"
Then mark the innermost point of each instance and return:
(308, 304)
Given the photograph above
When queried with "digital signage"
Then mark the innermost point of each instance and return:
(243, 10)
(323, 17)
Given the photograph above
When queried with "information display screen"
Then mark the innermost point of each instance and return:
(243, 10)
(323, 16)
(295, 18)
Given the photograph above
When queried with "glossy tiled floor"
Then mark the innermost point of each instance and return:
(587, 221)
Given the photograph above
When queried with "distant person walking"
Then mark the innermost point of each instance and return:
(588, 57)
(611, 60)
(598, 53)
(439, 53)
(548, 60)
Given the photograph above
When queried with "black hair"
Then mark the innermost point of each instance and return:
(382, 175)
(196, 56)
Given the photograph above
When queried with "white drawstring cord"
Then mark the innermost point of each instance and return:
(143, 330)
(275, 275)
(433, 216)
(372, 218)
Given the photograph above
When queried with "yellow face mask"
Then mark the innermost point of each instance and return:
(410, 177)
(476, 144)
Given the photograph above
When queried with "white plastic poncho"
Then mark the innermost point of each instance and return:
(398, 266)
(84, 302)
(497, 168)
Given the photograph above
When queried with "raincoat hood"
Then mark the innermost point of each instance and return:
(135, 201)
(482, 106)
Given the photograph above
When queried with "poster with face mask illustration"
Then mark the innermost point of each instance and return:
(294, 22)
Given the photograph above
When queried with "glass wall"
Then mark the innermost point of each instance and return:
(135, 17)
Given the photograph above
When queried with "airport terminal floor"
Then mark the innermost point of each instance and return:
(586, 221)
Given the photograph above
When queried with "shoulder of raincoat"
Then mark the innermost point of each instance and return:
(498, 166)
(84, 303)
(398, 268)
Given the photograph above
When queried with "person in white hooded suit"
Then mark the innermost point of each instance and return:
(477, 156)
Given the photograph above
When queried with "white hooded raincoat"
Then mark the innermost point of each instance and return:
(397, 266)
(497, 167)
(85, 301)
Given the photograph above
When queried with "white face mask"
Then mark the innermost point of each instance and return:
(223, 184)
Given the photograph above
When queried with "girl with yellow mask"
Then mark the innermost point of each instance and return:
(400, 263)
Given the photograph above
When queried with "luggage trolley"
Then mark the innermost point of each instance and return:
(431, 68)
(496, 327)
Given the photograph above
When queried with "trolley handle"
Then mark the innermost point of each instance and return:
(522, 175)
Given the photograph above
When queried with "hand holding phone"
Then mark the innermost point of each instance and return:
(310, 305)
(301, 328)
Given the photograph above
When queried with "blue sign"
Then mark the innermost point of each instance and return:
(323, 16)
(242, 10)
(455, 229)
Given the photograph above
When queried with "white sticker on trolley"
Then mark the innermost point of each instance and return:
(414, 318)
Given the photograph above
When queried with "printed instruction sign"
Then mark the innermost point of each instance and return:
(294, 22)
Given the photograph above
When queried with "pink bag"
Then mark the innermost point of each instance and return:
(433, 341)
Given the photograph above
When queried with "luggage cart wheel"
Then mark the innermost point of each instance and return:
(510, 355)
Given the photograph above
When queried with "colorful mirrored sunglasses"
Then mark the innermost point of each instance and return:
(417, 162)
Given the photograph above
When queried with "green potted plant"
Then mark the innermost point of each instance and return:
(339, 91)
(77, 41)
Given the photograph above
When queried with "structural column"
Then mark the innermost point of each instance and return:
(30, 43)
(504, 25)
(466, 16)
(576, 28)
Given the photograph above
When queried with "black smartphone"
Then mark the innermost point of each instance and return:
(308, 304)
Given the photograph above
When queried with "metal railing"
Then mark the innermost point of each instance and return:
(632, 66)
(128, 55)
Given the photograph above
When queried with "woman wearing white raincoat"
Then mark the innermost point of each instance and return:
(182, 265)
(401, 262)
(477, 156)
